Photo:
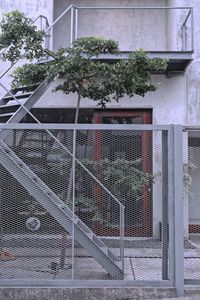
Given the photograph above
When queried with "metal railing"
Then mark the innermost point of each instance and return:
(185, 29)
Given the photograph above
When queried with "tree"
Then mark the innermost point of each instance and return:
(20, 37)
(88, 78)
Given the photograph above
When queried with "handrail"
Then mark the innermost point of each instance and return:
(187, 17)
(190, 13)
(133, 7)
(42, 17)
(61, 15)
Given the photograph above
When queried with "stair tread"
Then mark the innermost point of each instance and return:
(22, 88)
(6, 106)
(6, 114)
(21, 96)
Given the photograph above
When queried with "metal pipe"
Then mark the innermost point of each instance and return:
(41, 16)
(178, 210)
(61, 15)
(135, 8)
(76, 23)
(72, 26)
(183, 38)
(6, 71)
(192, 29)
(165, 221)
(41, 23)
(52, 126)
(171, 213)
(122, 226)
(73, 200)
(189, 13)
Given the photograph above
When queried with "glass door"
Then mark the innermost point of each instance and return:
(129, 154)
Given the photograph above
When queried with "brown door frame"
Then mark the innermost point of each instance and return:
(146, 228)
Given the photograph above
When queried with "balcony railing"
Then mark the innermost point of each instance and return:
(160, 29)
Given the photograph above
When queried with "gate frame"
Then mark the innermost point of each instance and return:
(173, 157)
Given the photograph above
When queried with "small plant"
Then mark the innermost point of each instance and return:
(123, 178)
(187, 179)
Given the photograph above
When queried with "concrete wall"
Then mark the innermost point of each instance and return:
(131, 28)
(60, 293)
(31, 8)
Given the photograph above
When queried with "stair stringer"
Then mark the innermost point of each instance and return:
(29, 103)
(59, 210)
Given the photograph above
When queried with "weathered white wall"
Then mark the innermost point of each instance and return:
(131, 28)
(31, 8)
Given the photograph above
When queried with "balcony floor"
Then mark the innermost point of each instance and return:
(178, 61)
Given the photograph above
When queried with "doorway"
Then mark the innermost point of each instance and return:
(129, 146)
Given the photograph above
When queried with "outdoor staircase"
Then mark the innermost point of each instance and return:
(12, 112)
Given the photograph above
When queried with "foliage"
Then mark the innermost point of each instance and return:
(123, 178)
(82, 74)
(21, 37)
(28, 74)
(93, 46)
(100, 81)
(187, 179)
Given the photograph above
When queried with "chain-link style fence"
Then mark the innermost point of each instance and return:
(89, 202)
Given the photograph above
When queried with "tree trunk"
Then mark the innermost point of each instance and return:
(69, 191)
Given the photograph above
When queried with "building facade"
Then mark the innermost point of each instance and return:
(164, 28)
(162, 32)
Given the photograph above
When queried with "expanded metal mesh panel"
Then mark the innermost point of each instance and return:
(192, 204)
(112, 169)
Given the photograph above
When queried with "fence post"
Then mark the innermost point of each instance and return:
(73, 200)
(178, 209)
(165, 221)
(72, 25)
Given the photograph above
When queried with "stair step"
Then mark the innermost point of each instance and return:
(21, 96)
(61, 205)
(98, 241)
(21, 165)
(84, 227)
(7, 150)
(35, 179)
(104, 249)
(6, 115)
(9, 108)
(25, 88)
(90, 235)
(4, 119)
